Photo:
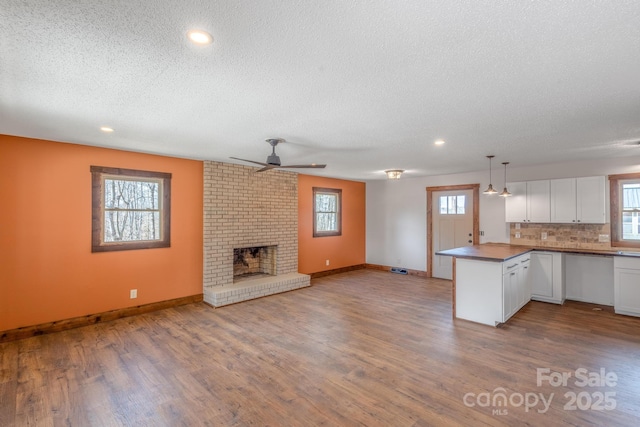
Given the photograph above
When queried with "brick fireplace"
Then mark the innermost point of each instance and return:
(245, 209)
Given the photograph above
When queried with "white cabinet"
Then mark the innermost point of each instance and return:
(490, 292)
(547, 277)
(591, 200)
(530, 202)
(626, 283)
(578, 200)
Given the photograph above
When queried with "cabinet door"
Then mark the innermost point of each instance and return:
(563, 200)
(510, 293)
(515, 207)
(538, 201)
(627, 291)
(541, 275)
(591, 200)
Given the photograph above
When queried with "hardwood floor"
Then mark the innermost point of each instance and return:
(359, 348)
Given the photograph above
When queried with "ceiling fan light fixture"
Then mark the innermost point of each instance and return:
(490, 190)
(394, 173)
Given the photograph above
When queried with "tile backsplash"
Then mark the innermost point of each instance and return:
(579, 236)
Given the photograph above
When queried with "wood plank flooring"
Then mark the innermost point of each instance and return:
(358, 348)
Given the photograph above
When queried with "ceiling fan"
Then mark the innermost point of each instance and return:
(273, 161)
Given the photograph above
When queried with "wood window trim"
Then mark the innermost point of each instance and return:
(338, 192)
(615, 210)
(97, 215)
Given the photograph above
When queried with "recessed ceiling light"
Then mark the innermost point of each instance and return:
(199, 37)
(439, 142)
(106, 129)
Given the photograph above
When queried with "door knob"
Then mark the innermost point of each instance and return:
(469, 241)
(469, 234)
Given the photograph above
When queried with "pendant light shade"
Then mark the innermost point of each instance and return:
(490, 189)
(505, 192)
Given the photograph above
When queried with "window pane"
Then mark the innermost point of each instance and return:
(460, 205)
(124, 194)
(630, 196)
(326, 202)
(630, 226)
(326, 222)
(451, 202)
(443, 205)
(127, 226)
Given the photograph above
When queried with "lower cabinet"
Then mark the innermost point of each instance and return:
(516, 289)
(626, 285)
(547, 277)
(490, 292)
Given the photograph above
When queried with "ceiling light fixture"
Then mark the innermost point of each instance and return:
(439, 142)
(394, 173)
(200, 37)
(490, 190)
(505, 192)
(106, 129)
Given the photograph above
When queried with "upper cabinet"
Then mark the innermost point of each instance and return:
(530, 202)
(570, 200)
(580, 200)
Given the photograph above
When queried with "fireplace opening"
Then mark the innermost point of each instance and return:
(254, 261)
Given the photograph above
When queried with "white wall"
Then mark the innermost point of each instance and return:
(397, 209)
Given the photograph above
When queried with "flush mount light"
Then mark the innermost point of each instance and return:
(106, 129)
(490, 190)
(439, 142)
(200, 37)
(394, 173)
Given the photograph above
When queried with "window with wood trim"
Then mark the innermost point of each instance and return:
(131, 209)
(625, 210)
(327, 212)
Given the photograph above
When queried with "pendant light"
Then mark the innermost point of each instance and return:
(490, 189)
(505, 192)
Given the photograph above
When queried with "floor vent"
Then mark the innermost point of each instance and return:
(399, 270)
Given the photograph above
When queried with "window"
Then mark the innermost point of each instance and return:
(131, 209)
(625, 210)
(327, 212)
(452, 205)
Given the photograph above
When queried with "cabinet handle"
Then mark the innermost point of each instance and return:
(573, 220)
(578, 220)
(511, 266)
(524, 260)
(525, 267)
(513, 274)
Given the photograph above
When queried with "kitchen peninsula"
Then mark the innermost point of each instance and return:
(493, 281)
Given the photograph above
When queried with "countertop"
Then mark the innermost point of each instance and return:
(499, 252)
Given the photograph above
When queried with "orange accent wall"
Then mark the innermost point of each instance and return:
(341, 251)
(47, 270)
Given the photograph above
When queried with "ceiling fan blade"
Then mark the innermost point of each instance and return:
(250, 161)
(267, 168)
(303, 166)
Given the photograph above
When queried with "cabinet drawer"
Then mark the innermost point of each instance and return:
(627, 262)
(510, 265)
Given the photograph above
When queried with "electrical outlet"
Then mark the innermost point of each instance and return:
(603, 238)
(133, 293)
(543, 235)
(327, 262)
(517, 235)
(517, 226)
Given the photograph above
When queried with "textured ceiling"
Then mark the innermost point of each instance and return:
(360, 85)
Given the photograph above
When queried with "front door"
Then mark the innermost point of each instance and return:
(452, 217)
